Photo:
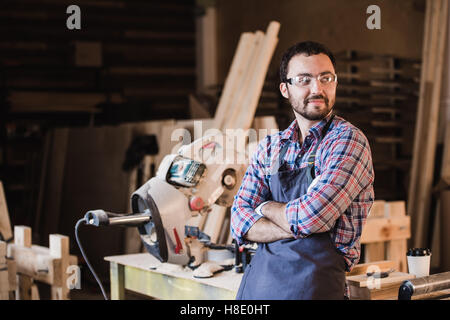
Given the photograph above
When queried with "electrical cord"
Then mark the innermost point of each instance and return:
(86, 259)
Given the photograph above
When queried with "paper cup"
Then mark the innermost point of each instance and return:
(419, 261)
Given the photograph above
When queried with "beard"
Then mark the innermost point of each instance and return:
(311, 112)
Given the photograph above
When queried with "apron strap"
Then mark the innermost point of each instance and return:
(312, 156)
(282, 154)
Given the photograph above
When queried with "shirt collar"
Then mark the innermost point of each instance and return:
(291, 132)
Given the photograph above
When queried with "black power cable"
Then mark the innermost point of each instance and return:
(83, 221)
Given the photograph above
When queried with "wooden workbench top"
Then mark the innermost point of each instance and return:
(226, 279)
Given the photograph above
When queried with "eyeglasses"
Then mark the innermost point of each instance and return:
(305, 80)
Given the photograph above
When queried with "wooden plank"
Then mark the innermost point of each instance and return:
(225, 230)
(395, 209)
(214, 222)
(263, 61)
(427, 170)
(34, 263)
(206, 45)
(420, 119)
(59, 248)
(38, 263)
(12, 273)
(420, 195)
(365, 281)
(235, 108)
(117, 274)
(374, 251)
(24, 287)
(22, 236)
(363, 267)
(396, 249)
(378, 209)
(5, 224)
(2, 253)
(385, 229)
(4, 282)
(386, 292)
(234, 78)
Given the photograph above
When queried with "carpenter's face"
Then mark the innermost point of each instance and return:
(309, 96)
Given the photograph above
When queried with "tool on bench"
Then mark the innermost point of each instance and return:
(381, 274)
(243, 255)
(187, 184)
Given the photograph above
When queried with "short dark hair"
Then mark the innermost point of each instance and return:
(307, 48)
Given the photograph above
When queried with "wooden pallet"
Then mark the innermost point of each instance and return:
(386, 232)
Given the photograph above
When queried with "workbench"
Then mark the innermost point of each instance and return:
(144, 274)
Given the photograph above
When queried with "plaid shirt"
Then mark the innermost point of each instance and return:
(340, 200)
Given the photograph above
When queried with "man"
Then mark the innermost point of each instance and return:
(307, 192)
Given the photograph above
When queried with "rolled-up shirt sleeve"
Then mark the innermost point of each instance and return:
(253, 191)
(348, 171)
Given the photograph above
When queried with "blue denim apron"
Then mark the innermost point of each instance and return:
(295, 269)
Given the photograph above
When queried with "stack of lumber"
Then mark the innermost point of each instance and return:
(423, 165)
(245, 80)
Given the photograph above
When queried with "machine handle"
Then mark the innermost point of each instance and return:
(102, 218)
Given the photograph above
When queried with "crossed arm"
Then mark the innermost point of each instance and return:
(272, 227)
(345, 172)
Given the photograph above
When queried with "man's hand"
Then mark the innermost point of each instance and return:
(276, 212)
